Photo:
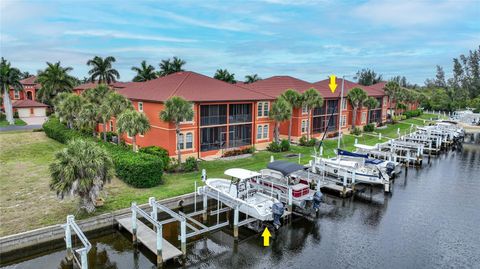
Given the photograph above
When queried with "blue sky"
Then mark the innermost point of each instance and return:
(306, 39)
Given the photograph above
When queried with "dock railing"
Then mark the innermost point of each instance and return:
(83, 252)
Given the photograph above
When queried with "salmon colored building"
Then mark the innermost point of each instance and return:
(226, 116)
(30, 89)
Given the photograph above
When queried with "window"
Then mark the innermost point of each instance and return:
(343, 122)
(111, 126)
(213, 115)
(263, 109)
(304, 126)
(240, 113)
(259, 132)
(240, 135)
(364, 117)
(304, 109)
(16, 94)
(344, 103)
(265, 131)
(180, 142)
(189, 141)
(140, 106)
(213, 138)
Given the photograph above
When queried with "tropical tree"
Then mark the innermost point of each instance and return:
(224, 75)
(295, 100)
(252, 78)
(177, 110)
(371, 103)
(280, 111)
(311, 100)
(97, 95)
(81, 169)
(367, 77)
(102, 70)
(113, 106)
(168, 66)
(9, 78)
(88, 118)
(392, 90)
(69, 109)
(357, 98)
(25, 75)
(54, 80)
(133, 123)
(144, 72)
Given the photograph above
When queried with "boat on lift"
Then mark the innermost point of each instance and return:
(280, 180)
(239, 192)
(391, 168)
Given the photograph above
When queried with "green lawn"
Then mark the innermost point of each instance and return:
(18, 122)
(27, 203)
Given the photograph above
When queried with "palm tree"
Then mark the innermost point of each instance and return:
(392, 90)
(88, 118)
(102, 70)
(280, 111)
(54, 80)
(144, 72)
(25, 75)
(168, 66)
(224, 75)
(69, 108)
(371, 103)
(357, 97)
(9, 78)
(82, 168)
(252, 78)
(133, 123)
(294, 98)
(177, 110)
(97, 95)
(113, 106)
(311, 100)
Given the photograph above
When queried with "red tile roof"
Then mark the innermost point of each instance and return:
(191, 86)
(377, 89)
(90, 85)
(27, 103)
(322, 84)
(276, 85)
(30, 80)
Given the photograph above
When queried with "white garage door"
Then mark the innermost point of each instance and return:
(39, 112)
(23, 112)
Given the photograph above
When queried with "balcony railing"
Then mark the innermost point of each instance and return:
(213, 120)
(240, 118)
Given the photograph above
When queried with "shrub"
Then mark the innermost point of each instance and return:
(307, 143)
(369, 127)
(413, 113)
(331, 135)
(285, 145)
(173, 165)
(159, 152)
(302, 141)
(274, 147)
(356, 131)
(110, 135)
(137, 169)
(3, 116)
(190, 165)
(236, 152)
(15, 114)
(37, 130)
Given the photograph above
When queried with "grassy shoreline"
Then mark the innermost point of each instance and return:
(27, 203)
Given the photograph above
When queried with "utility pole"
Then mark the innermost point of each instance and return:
(340, 113)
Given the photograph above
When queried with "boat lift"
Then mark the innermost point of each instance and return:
(83, 252)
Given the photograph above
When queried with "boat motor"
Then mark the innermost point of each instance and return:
(317, 198)
(390, 168)
(277, 210)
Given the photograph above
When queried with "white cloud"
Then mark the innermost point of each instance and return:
(115, 34)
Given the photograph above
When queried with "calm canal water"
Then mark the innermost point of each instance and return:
(431, 220)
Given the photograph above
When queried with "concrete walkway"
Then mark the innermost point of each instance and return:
(20, 128)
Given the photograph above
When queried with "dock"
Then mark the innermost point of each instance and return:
(148, 238)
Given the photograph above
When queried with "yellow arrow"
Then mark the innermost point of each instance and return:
(333, 83)
(266, 237)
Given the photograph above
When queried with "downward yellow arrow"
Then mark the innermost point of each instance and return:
(333, 83)
(266, 237)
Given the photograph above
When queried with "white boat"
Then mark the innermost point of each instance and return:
(280, 181)
(390, 167)
(239, 192)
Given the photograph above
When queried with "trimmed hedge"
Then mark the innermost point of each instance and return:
(159, 152)
(139, 170)
(413, 113)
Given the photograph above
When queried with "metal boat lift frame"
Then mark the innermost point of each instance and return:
(69, 226)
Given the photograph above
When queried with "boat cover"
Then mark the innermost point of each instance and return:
(351, 154)
(284, 167)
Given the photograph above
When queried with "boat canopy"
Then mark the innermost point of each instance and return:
(241, 173)
(284, 167)
(351, 154)
(365, 147)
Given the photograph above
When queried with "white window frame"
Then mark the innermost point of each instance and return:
(16, 94)
(186, 140)
(259, 109)
(343, 121)
(266, 109)
(266, 131)
(304, 110)
(259, 131)
(303, 127)
(140, 106)
(263, 109)
(364, 117)
(180, 142)
(344, 104)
